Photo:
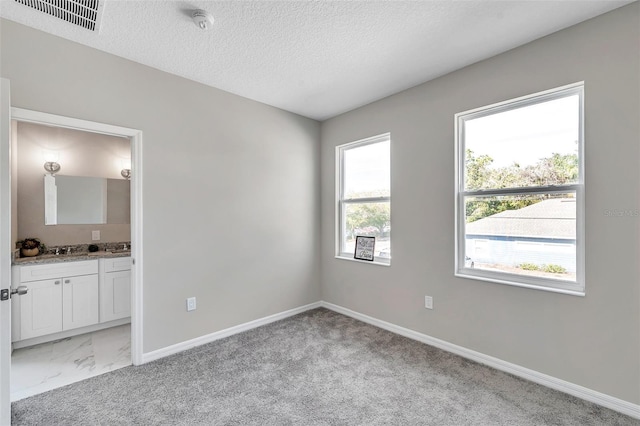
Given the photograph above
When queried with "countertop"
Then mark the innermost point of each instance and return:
(73, 257)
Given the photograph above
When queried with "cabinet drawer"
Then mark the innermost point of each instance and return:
(116, 264)
(57, 270)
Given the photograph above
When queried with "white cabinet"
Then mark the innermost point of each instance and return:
(41, 309)
(67, 298)
(115, 288)
(61, 296)
(80, 306)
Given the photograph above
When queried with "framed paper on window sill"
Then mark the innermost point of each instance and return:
(364, 248)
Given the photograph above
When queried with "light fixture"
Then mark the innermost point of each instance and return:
(202, 18)
(126, 173)
(51, 167)
(51, 157)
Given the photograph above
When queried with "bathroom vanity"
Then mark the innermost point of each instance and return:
(70, 295)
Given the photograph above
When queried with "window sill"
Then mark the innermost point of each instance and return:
(379, 262)
(517, 283)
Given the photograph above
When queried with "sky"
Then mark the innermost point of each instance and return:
(368, 168)
(523, 135)
(527, 134)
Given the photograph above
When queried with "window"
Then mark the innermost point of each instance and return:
(364, 196)
(520, 192)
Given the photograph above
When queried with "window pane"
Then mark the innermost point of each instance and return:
(532, 235)
(368, 219)
(534, 145)
(367, 171)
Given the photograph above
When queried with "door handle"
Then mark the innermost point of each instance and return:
(22, 290)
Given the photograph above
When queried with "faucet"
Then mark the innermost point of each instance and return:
(68, 250)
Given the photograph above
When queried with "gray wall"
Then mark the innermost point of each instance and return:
(593, 341)
(231, 201)
(80, 154)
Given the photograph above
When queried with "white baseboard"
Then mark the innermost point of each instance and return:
(590, 395)
(198, 341)
(587, 394)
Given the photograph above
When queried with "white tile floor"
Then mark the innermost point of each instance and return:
(47, 366)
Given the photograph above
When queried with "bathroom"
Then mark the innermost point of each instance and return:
(71, 308)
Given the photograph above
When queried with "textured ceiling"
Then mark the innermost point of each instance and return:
(315, 58)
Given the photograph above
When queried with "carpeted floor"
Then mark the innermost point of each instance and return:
(317, 368)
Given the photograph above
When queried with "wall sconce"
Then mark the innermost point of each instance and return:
(126, 168)
(52, 167)
(51, 164)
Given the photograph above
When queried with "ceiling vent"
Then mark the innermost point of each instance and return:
(84, 13)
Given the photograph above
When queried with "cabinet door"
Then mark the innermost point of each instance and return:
(115, 296)
(80, 301)
(41, 308)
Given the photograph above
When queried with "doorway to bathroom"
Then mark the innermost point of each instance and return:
(76, 186)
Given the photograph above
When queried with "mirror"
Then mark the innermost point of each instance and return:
(80, 200)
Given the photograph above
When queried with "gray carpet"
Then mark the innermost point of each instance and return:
(317, 368)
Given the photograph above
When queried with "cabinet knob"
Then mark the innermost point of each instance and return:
(56, 282)
(67, 281)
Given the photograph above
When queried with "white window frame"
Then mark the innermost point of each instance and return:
(540, 283)
(341, 201)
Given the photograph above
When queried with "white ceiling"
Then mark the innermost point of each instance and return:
(315, 58)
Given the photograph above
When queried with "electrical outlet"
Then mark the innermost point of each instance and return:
(191, 304)
(428, 302)
(95, 235)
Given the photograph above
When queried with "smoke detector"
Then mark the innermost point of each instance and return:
(202, 18)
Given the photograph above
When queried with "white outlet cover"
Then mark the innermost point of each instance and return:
(191, 304)
(428, 302)
(95, 235)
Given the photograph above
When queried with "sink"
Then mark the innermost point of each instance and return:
(49, 256)
(45, 256)
(61, 254)
(108, 252)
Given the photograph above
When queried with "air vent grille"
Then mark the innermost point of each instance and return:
(78, 12)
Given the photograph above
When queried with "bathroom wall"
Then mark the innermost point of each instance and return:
(79, 154)
(14, 182)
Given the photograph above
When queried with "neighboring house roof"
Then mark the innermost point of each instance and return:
(555, 218)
